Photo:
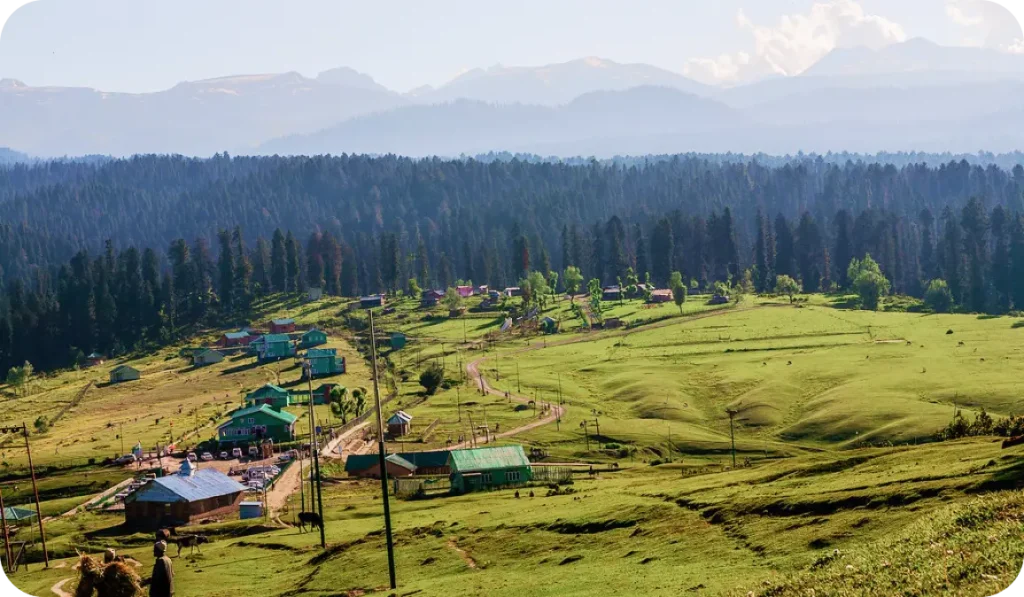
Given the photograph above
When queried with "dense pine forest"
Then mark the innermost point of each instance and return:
(104, 256)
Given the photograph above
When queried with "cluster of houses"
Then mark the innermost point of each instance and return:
(472, 469)
(264, 418)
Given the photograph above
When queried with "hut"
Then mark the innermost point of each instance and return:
(486, 468)
(124, 373)
(513, 291)
(256, 424)
(275, 347)
(284, 325)
(611, 293)
(183, 498)
(274, 396)
(230, 339)
(94, 359)
(430, 298)
(313, 337)
(465, 291)
(249, 510)
(661, 296)
(368, 466)
(374, 300)
(205, 356)
(399, 424)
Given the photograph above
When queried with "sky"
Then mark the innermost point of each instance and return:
(144, 45)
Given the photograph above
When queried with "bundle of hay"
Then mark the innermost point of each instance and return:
(116, 579)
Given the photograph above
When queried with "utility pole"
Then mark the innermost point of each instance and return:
(669, 443)
(458, 401)
(381, 454)
(583, 424)
(472, 431)
(308, 366)
(519, 388)
(302, 484)
(35, 491)
(7, 538)
(732, 435)
(464, 341)
(122, 437)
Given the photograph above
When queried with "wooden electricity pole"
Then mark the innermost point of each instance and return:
(382, 456)
(35, 492)
(7, 538)
(732, 435)
(314, 447)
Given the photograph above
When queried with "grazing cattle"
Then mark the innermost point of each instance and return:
(312, 519)
(191, 541)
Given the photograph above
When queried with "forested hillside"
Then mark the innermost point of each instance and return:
(357, 224)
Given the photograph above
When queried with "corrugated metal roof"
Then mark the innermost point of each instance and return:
(236, 335)
(402, 462)
(399, 417)
(269, 386)
(320, 353)
(360, 462)
(270, 338)
(482, 459)
(431, 459)
(124, 368)
(14, 513)
(314, 331)
(266, 409)
(204, 484)
(283, 321)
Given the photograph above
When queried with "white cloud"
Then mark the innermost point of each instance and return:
(797, 42)
(987, 25)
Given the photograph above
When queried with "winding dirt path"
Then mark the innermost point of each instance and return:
(470, 562)
(58, 589)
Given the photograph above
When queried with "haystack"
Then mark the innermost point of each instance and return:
(116, 579)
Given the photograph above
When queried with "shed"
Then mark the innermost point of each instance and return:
(314, 337)
(719, 299)
(433, 462)
(324, 361)
(275, 347)
(373, 300)
(183, 498)
(430, 298)
(484, 468)
(255, 424)
(662, 296)
(465, 291)
(399, 424)
(206, 356)
(248, 510)
(269, 394)
(94, 359)
(284, 325)
(398, 340)
(514, 291)
(611, 293)
(124, 373)
(240, 338)
(368, 466)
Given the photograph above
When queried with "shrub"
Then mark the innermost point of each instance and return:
(431, 378)
(937, 297)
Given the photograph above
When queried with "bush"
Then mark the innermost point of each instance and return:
(937, 297)
(431, 378)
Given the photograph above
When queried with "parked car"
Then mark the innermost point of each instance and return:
(236, 452)
(207, 456)
(126, 459)
(191, 456)
(224, 455)
(284, 458)
(254, 451)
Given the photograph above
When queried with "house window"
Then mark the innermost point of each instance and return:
(486, 477)
(512, 477)
(251, 421)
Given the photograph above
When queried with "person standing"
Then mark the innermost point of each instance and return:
(161, 583)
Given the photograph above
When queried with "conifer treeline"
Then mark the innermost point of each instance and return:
(357, 225)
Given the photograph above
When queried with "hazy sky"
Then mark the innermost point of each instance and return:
(143, 45)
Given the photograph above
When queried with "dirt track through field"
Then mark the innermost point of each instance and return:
(58, 588)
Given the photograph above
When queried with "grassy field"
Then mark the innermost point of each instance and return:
(843, 491)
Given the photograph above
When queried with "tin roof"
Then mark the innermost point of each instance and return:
(360, 462)
(236, 335)
(282, 321)
(202, 485)
(319, 353)
(314, 331)
(124, 368)
(482, 459)
(267, 410)
(399, 417)
(402, 462)
(431, 459)
(269, 338)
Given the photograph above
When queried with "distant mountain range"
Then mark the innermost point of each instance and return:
(910, 96)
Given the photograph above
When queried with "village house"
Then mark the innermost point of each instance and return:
(94, 359)
(275, 347)
(611, 293)
(661, 296)
(230, 339)
(322, 394)
(123, 373)
(255, 424)
(269, 394)
(485, 468)
(205, 356)
(513, 291)
(324, 361)
(282, 326)
(313, 337)
(430, 298)
(399, 424)
(464, 291)
(181, 499)
(432, 462)
(371, 301)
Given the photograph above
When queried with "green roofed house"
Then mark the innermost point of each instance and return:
(313, 337)
(270, 395)
(257, 423)
(275, 347)
(325, 361)
(124, 373)
(487, 468)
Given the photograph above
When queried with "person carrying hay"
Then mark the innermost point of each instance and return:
(113, 579)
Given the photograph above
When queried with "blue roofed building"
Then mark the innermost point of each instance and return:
(183, 498)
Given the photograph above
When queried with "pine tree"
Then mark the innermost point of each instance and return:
(929, 268)
(422, 264)
(347, 281)
(151, 293)
(1017, 263)
(643, 265)
(226, 271)
(261, 267)
(314, 261)
(843, 252)
(662, 251)
(784, 256)
(278, 263)
(974, 222)
(521, 259)
(808, 250)
(293, 256)
(952, 256)
(1001, 274)
(243, 273)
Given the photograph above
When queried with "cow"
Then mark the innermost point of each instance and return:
(312, 519)
(191, 541)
